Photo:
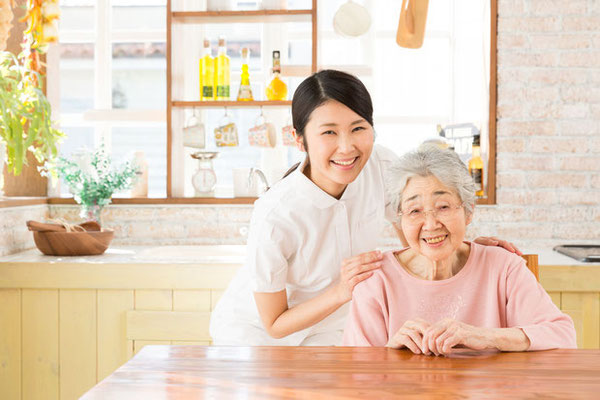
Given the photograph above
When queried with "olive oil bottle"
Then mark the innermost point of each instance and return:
(222, 72)
(277, 89)
(476, 166)
(207, 74)
(245, 92)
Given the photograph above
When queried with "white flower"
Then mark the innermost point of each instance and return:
(84, 160)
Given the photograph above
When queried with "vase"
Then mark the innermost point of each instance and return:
(91, 212)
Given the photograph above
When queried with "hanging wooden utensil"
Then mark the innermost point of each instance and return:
(411, 28)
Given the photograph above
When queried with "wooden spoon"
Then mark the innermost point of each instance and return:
(411, 27)
(45, 227)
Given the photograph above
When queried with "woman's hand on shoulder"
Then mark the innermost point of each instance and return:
(494, 241)
(355, 270)
(410, 336)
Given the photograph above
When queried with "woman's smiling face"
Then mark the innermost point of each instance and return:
(434, 220)
(339, 143)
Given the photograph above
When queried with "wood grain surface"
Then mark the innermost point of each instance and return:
(169, 372)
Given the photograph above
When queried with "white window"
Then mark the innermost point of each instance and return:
(107, 80)
(109, 72)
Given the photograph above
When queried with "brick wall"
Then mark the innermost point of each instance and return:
(170, 224)
(14, 235)
(548, 146)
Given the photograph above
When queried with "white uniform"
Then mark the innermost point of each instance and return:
(298, 237)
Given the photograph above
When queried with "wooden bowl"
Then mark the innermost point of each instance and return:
(73, 243)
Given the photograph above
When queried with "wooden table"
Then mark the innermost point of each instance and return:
(178, 372)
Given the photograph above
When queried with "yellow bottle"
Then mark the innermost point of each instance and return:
(245, 92)
(277, 89)
(222, 72)
(207, 73)
(476, 167)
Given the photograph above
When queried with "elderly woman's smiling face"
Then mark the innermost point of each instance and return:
(434, 220)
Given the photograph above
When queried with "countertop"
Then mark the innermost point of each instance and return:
(208, 267)
(212, 254)
(207, 254)
(126, 267)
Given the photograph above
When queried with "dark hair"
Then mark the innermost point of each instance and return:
(323, 86)
(327, 85)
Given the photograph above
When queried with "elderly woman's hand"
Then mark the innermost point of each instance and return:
(356, 269)
(410, 335)
(494, 241)
(440, 337)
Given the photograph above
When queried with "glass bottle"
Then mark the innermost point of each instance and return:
(207, 73)
(277, 89)
(245, 92)
(222, 72)
(476, 166)
(140, 188)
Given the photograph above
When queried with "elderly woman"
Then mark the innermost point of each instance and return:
(442, 291)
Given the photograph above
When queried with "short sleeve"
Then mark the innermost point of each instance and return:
(266, 259)
(386, 158)
(367, 323)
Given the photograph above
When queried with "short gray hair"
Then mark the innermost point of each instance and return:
(445, 165)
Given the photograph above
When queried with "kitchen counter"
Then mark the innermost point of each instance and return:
(142, 254)
(199, 267)
(222, 254)
(68, 322)
(547, 257)
(164, 267)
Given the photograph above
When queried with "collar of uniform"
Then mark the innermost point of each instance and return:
(315, 194)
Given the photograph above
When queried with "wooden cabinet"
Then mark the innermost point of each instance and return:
(180, 49)
(576, 291)
(65, 327)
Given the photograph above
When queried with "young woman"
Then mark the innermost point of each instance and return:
(326, 213)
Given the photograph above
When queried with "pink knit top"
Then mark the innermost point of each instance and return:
(494, 289)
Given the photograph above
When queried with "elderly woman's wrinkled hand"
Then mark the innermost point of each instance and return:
(410, 335)
(442, 336)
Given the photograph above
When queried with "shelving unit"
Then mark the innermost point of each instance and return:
(175, 18)
(244, 16)
(232, 104)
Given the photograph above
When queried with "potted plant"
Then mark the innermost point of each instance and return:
(25, 123)
(92, 179)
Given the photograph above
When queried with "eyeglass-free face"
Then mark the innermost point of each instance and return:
(433, 218)
(339, 143)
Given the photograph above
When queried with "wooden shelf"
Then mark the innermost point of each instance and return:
(6, 202)
(175, 75)
(163, 200)
(257, 16)
(232, 104)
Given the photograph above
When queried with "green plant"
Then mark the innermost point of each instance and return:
(25, 123)
(91, 177)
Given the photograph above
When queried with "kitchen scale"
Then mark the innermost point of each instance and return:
(580, 252)
(205, 178)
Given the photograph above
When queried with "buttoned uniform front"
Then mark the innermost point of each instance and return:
(297, 240)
